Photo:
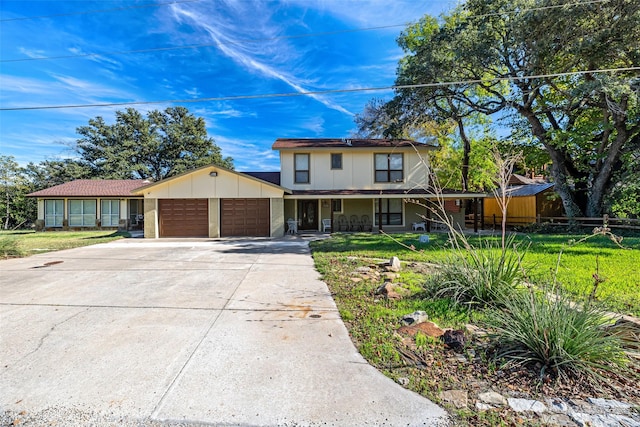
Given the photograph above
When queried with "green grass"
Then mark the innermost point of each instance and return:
(618, 268)
(25, 243)
(548, 331)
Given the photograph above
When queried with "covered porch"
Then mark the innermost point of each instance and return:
(374, 211)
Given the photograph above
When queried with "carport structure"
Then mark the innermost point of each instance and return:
(213, 201)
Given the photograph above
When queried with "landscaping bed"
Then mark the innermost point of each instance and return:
(467, 378)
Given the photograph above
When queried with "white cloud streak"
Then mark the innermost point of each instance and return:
(217, 31)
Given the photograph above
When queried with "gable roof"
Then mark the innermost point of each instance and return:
(213, 168)
(272, 177)
(288, 143)
(92, 188)
(529, 189)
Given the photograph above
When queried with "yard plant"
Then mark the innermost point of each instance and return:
(546, 330)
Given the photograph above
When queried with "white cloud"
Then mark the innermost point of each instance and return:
(32, 53)
(219, 30)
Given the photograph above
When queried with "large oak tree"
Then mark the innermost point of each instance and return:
(156, 146)
(537, 62)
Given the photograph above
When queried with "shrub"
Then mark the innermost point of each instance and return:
(479, 276)
(563, 337)
(9, 248)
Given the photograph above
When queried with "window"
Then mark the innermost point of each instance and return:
(336, 160)
(389, 167)
(337, 205)
(53, 213)
(82, 213)
(391, 212)
(301, 165)
(110, 213)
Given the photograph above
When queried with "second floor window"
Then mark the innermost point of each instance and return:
(301, 166)
(336, 160)
(389, 167)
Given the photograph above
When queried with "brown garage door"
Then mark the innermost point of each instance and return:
(245, 217)
(184, 217)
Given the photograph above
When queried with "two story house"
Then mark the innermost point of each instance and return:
(323, 184)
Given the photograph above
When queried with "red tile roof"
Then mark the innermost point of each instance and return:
(283, 143)
(92, 188)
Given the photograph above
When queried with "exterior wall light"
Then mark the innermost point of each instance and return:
(213, 174)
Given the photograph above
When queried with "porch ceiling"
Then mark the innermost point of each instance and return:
(382, 194)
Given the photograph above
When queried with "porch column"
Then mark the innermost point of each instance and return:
(331, 211)
(475, 215)
(380, 215)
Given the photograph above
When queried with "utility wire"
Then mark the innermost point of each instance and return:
(295, 36)
(88, 12)
(324, 92)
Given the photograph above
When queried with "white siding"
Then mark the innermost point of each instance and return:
(357, 171)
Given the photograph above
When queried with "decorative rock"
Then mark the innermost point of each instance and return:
(394, 264)
(415, 317)
(460, 358)
(475, 330)
(557, 405)
(363, 270)
(388, 275)
(454, 339)
(483, 406)
(356, 279)
(389, 290)
(557, 420)
(430, 329)
(626, 421)
(492, 398)
(593, 420)
(403, 381)
(524, 405)
(457, 398)
(608, 403)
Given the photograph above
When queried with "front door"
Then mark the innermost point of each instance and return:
(308, 214)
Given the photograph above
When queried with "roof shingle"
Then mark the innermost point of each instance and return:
(284, 143)
(92, 188)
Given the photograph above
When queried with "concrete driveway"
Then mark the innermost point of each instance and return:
(227, 332)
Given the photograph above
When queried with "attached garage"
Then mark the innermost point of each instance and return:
(245, 217)
(213, 202)
(183, 217)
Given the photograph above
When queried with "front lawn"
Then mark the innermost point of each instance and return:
(25, 243)
(352, 267)
(544, 255)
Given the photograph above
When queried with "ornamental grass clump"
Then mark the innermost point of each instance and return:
(479, 276)
(548, 330)
(9, 248)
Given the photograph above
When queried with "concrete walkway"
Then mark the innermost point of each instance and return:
(226, 332)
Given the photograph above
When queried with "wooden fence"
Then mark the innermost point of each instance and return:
(495, 221)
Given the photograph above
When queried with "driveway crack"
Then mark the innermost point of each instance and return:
(49, 332)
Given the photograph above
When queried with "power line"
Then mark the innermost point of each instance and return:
(88, 12)
(323, 92)
(295, 36)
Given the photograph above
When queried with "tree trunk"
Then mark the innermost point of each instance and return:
(6, 221)
(558, 166)
(465, 155)
(603, 177)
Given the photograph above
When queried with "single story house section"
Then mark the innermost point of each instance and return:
(90, 204)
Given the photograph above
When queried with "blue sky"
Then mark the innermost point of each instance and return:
(252, 48)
